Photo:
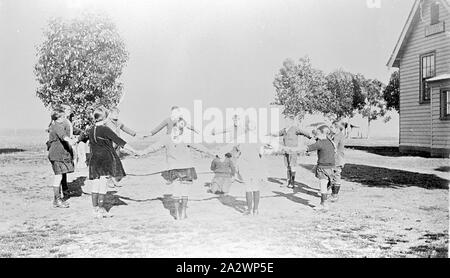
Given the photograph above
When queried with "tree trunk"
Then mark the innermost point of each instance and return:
(368, 128)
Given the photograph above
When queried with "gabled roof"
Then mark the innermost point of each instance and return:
(407, 29)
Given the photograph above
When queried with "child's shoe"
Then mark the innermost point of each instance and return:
(334, 198)
(96, 212)
(59, 203)
(104, 213)
(255, 212)
(322, 207)
(247, 213)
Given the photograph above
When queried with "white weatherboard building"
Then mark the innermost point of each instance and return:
(422, 55)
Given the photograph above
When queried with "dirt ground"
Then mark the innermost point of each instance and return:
(390, 206)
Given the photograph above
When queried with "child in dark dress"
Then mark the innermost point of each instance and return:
(104, 161)
(60, 154)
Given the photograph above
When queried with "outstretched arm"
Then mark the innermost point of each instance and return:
(128, 130)
(190, 127)
(279, 134)
(223, 131)
(152, 148)
(157, 129)
(299, 149)
(302, 132)
(202, 149)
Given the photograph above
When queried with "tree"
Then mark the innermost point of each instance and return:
(339, 95)
(375, 105)
(79, 64)
(298, 87)
(359, 99)
(391, 93)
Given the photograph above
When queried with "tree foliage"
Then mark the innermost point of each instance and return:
(391, 93)
(359, 98)
(297, 86)
(339, 95)
(79, 64)
(302, 89)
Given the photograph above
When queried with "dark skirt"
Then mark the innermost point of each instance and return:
(188, 174)
(105, 163)
(63, 167)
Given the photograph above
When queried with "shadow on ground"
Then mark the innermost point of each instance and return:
(445, 169)
(10, 150)
(293, 198)
(112, 200)
(232, 202)
(384, 177)
(75, 187)
(387, 151)
(299, 187)
(168, 203)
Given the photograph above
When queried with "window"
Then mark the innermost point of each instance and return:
(445, 104)
(427, 70)
(434, 10)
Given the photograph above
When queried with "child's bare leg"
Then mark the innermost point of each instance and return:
(336, 184)
(323, 193)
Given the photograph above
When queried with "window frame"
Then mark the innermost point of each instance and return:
(443, 98)
(421, 79)
(437, 7)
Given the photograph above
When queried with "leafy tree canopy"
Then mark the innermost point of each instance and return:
(79, 64)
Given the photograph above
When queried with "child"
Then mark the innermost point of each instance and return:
(290, 139)
(104, 161)
(325, 164)
(179, 165)
(117, 126)
(338, 137)
(224, 171)
(60, 154)
(67, 122)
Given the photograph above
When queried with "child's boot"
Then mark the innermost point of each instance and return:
(292, 179)
(334, 196)
(57, 200)
(289, 178)
(323, 203)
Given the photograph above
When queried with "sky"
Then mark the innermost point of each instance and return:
(223, 52)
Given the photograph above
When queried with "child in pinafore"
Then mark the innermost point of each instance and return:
(60, 153)
(180, 172)
(104, 161)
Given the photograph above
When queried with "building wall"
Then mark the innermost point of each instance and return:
(440, 128)
(416, 117)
